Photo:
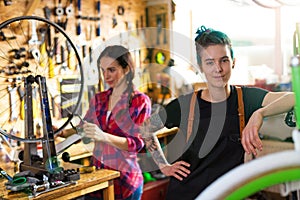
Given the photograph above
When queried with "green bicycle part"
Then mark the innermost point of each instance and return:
(281, 176)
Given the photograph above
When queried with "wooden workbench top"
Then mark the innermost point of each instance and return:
(85, 185)
(86, 182)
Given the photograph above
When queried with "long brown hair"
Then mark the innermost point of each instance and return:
(124, 59)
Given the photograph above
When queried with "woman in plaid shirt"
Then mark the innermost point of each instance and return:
(113, 120)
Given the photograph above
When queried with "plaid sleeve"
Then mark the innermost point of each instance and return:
(91, 112)
(142, 110)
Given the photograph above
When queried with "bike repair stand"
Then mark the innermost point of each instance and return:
(32, 161)
(47, 166)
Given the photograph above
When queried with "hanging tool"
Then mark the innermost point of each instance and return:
(18, 53)
(71, 60)
(59, 12)
(34, 37)
(114, 21)
(21, 67)
(142, 27)
(127, 21)
(83, 51)
(79, 16)
(158, 28)
(98, 8)
(11, 70)
(69, 10)
(89, 29)
(120, 9)
(43, 51)
(149, 56)
(165, 28)
(56, 51)
(64, 65)
(47, 12)
(36, 54)
(137, 27)
(4, 38)
(7, 2)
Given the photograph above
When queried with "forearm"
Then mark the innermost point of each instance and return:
(154, 148)
(116, 141)
(274, 104)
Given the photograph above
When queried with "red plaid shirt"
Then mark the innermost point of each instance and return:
(125, 124)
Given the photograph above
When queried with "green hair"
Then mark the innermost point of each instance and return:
(207, 37)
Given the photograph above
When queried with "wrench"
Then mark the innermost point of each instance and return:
(69, 9)
(59, 12)
(34, 37)
(43, 50)
(34, 41)
(36, 54)
(35, 194)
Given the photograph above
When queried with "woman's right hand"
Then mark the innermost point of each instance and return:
(178, 170)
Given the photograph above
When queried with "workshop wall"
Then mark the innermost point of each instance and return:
(116, 17)
(129, 18)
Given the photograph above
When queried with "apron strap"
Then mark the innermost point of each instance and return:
(241, 109)
(191, 115)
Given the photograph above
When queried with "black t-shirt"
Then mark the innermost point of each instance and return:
(214, 147)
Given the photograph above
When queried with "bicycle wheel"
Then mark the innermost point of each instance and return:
(33, 46)
(255, 176)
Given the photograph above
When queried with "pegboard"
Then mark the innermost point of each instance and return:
(115, 16)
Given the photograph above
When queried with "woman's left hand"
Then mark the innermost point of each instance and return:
(94, 132)
(250, 138)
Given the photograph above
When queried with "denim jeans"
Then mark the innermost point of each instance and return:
(136, 195)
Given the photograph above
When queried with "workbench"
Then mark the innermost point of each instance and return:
(89, 182)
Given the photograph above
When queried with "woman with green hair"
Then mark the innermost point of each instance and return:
(216, 141)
